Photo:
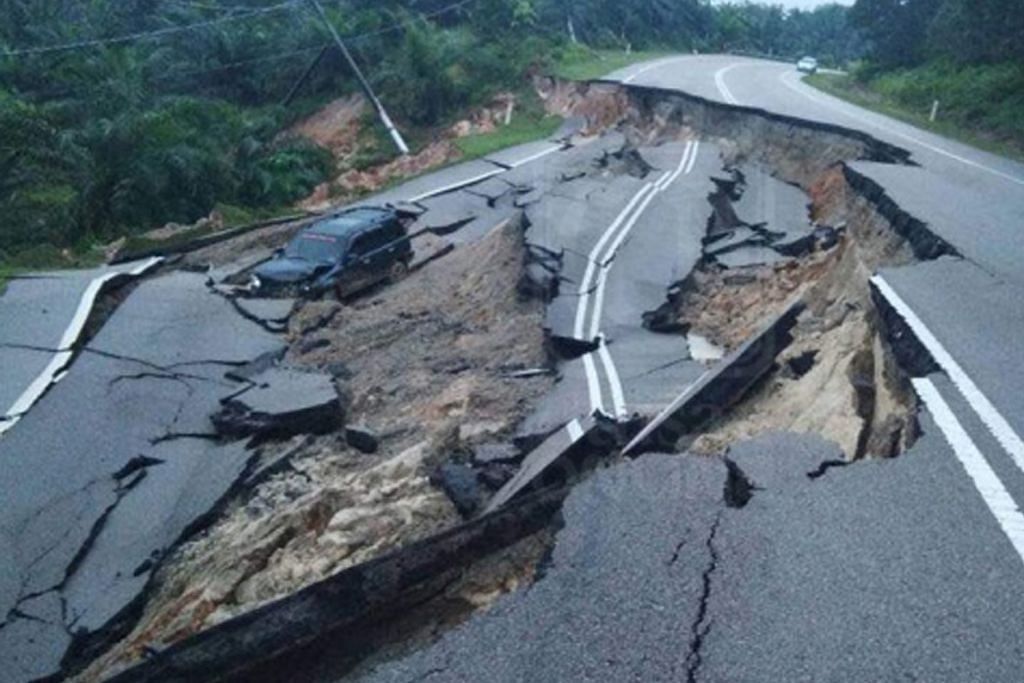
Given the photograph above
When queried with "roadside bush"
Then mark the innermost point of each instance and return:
(986, 97)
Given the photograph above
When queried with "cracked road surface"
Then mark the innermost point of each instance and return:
(94, 490)
(773, 564)
(44, 316)
(809, 580)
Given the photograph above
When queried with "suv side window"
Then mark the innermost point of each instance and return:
(394, 231)
(369, 241)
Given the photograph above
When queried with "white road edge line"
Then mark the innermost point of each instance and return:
(539, 155)
(63, 354)
(457, 185)
(1000, 503)
(654, 65)
(880, 126)
(993, 419)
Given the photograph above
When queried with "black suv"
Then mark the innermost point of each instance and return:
(346, 253)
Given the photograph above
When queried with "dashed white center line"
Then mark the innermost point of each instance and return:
(988, 484)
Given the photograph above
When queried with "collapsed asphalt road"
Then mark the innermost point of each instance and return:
(677, 239)
(116, 462)
(683, 568)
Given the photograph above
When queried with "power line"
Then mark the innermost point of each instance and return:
(146, 35)
(352, 38)
(277, 56)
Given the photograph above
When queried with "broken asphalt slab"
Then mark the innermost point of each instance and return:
(771, 203)
(686, 568)
(79, 517)
(44, 318)
(862, 574)
(616, 600)
(281, 402)
(183, 485)
(562, 457)
(720, 387)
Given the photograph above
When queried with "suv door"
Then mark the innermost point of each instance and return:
(356, 267)
(366, 261)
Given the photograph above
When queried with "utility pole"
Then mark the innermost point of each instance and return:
(381, 113)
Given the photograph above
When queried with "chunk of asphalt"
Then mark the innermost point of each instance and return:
(362, 438)
(768, 201)
(488, 453)
(460, 484)
(720, 388)
(738, 238)
(267, 310)
(796, 246)
(283, 402)
(561, 457)
(170, 502)
(495, 475)
(747, 256)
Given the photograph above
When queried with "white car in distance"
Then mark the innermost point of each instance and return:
(807, 65)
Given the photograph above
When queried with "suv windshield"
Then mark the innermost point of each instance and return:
(313, 246)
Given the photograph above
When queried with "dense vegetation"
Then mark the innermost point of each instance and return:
(119, 115)
(966, 54)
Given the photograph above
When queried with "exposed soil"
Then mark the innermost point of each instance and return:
(336, 126)
(836, 379)
(353, 183)
(341, 128)
(422, 363)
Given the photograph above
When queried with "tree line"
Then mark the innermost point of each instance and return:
(911, 32)
(119, 115)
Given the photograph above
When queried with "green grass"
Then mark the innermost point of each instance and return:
(46, 257)
(234, 217)
(521, 129)
(578, 63)
(980, 106)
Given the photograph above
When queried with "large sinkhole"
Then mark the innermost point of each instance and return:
(477, 325)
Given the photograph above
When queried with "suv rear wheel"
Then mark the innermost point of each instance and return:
(398, 271)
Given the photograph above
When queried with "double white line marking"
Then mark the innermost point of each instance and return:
(595, 279)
